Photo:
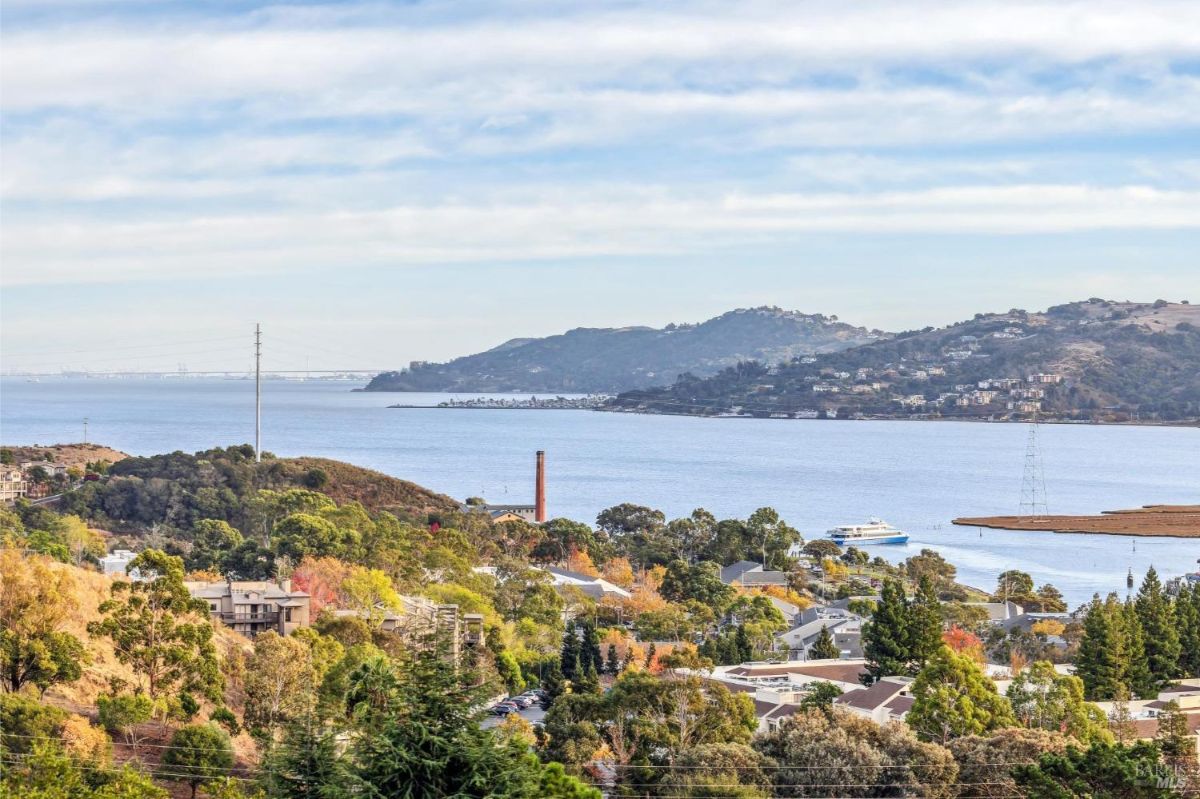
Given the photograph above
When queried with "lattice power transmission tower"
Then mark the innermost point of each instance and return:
(1033, 480)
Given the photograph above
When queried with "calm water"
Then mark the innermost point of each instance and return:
(916, 475)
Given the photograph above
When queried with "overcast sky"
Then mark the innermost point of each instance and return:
(380, 182)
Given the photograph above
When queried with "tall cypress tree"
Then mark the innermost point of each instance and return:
(924, 625)
(885, 635)
(1102, 662)
(1187, 615)
(1141, 680)
(569, 658)
(612, 663)
(1160, 630)
(824, 648)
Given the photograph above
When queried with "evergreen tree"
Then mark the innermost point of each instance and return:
(589, 649)
(587, 681)
(1141, 681)
(745, 650)
(924, 625)
(1160, 630)
(569, 658)
(651, 651)
(1177, 743)
(885, 635)
(612, 664)
(305, 764)
(1102, 661)
(1187, 615)
(824, 648)
(952, 697)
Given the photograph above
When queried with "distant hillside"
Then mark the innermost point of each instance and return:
(67, 454)
(609, 360)
(1097, 360)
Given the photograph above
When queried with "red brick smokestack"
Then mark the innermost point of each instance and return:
(540, 510)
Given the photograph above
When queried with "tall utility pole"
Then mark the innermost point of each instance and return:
(85, 429)
(1033, 480)
(257, 393)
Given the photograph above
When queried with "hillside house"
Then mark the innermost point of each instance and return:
(12, 485)
(254, 606)
(748, 574)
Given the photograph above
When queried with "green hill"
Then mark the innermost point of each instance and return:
(609, 360)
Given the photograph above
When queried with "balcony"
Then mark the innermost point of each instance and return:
(248, 618)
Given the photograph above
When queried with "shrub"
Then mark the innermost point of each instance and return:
(118, 714)
(224, 716)
(24, 721)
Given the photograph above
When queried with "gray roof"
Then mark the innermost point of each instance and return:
(762, 578)
(878, 695)
(735, 570)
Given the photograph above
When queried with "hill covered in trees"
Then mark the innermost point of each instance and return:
(602, 360)
(1094, 360)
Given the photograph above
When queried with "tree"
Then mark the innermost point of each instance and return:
(1174, 739)
(198, 754)
(1103, 660)
(418, 736)
(824, 648)
(612, 664)
(772, 536)
(821, 548)
(212, 541)
(820, 696)
(701, 582)
(1102, 771)
(885, 635)
(35, 600)
(1139, 677)
(302, 534)
(121, 713)
(952, 697)
(371, 593)
(985, 763)
(818, 753)
(159, 631)
(1160, 632)
(279, 682)
(720, 771)
(1044, 699)
(924, 624)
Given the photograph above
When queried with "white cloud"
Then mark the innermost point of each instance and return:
(562, 227)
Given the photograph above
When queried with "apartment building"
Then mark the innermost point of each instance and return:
(255, 606)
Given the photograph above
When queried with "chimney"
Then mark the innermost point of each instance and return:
(540, 510)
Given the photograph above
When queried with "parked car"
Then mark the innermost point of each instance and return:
(504, 708)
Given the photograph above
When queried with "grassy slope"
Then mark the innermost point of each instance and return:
(375, 490)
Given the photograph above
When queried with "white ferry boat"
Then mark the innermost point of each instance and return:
(875, 531)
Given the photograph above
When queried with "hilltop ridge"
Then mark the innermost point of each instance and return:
(1093, 360)
(610, 360)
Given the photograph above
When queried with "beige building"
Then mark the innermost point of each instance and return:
(253, 607)
(420, 618)
(12, 484)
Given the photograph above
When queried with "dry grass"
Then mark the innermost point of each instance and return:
(1177, 521)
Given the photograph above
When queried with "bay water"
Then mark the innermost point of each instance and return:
(917, 475)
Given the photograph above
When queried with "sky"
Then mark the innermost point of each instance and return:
(381, 182)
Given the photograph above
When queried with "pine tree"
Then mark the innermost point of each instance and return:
(1141, 681)
(1187, 615)
(1177, 743)
(612, 664)
(924, 625)
(569, 658)
(651, 651)
(1102, 661)
(745, 650)
(885, 635)
(1160, 630)
(589, 649)
(824, 648)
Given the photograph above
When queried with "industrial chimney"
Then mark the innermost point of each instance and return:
(540, 509)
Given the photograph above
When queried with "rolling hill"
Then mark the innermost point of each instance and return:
(1094, 360)
(610, 360)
